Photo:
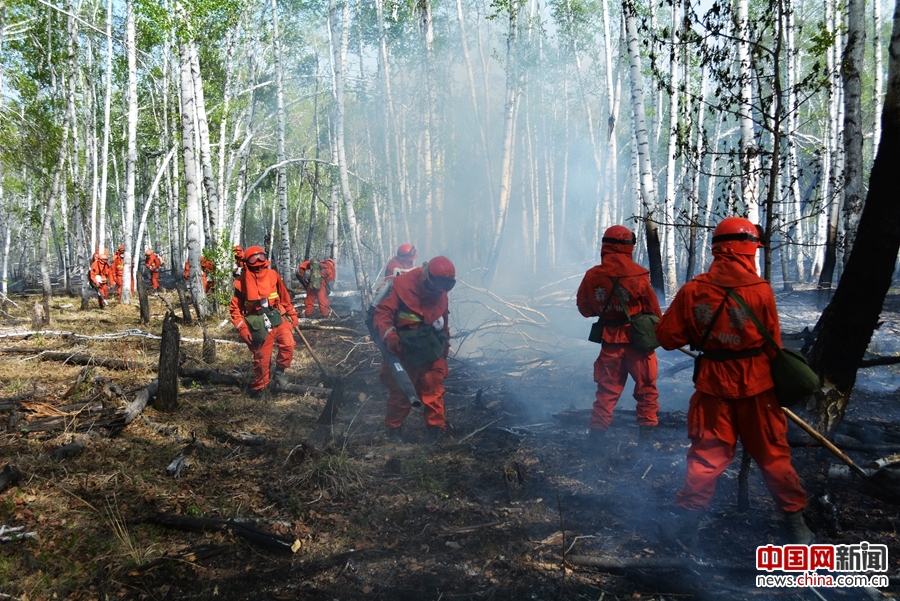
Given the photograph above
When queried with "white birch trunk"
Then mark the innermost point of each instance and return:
(387, 112)
(878, 97)
(669, 202)
(104, 161)
(749, 150)
(851, 67)
(285, 263)
(131, 161)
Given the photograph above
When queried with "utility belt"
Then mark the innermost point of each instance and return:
(724, 355)
(262, 320)
(614, 323)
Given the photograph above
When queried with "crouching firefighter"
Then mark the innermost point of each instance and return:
(618, 291)
(735, 394)
(413, 323)
(263, 315)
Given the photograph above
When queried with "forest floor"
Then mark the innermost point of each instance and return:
(495, 511)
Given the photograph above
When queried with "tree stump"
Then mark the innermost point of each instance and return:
(167, 393)
(37, 317)
(144, 301)
(209, 348)
(185, 304)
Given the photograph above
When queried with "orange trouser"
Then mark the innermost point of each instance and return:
(429, 383)
(117, 279)
(154, 280)
(714, 425)
(283, 336)
(321, 295)
(611, 370)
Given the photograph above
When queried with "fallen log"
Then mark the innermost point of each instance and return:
(78, 358)
(242, 438)
(653, 563)
(256, 536)
(189, 555)
(9, 476)
(9, 403)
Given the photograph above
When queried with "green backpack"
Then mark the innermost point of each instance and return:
(315, 274)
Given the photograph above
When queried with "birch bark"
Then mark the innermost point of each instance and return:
(131, 160)
(285, 263)
(104, 161)
(749, 150)
(669, 202)
(851, 67)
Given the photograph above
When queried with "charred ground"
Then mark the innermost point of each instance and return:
(492, 512)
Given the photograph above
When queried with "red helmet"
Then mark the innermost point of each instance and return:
(256, 257)
(148, 252)
(440, 273)
(407, 251)
(738, 235)
(238, 251)
(619, 234)
(104, 256)
(121, 248)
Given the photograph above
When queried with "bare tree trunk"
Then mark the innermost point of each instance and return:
(853, 127)
(850, 319)
(387, 112)
(131, 164)
(748, 147)
(285, 264)
(648, 190)
(104, 161)
(669, 201)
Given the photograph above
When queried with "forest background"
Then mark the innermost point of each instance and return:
(505, 134)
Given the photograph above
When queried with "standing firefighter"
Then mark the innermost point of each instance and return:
(315, 276)
(263, 315)
(118, 269)
(734, 390)
(238, 261)
(603, 291)
(403, 261)
(100, 274)
(413, 322)
(207, 273)
(153, 264)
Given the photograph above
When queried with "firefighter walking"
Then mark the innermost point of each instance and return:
(604, 289)
(413, 322)
(734, 395)
(118, 270)
(315, 276)
(403, 261)
(100, 275)
(153, 263)
(264, 317)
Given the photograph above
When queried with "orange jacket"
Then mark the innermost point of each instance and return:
(409, 300)
(206, 266)
(152, 262)
(398, 263)
(689, 316)
(328, 271)
(634, 282)
(118, 264)
(101, 272)
(251, 287)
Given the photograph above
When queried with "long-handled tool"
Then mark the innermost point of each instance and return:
(325, 375)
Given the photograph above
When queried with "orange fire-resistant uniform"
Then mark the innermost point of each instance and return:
(734, 396)
(153, 264)
(411, 304)
(101, 273)
(618, 357)
(252, 290)
(319, 294)
(207, 269)
(398, 264)
(118, 271)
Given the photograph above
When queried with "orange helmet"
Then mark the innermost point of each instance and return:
(121, 248)
(440, 273)
(148, 252)
(407, 251)
(238, 250)
(255, 257)
(738, 235)
(104, 256)
(619, 234)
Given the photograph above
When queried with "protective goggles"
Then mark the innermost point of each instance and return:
(256, 259)
(411, 253)
(442, 283)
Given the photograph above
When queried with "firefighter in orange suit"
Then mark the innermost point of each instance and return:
(413, 322)
(403, 261)
(264, 317)
(315, 276)
(207, 271)
(153, 264)
(100, 275)
(734, 390)
(618, 357)
(118, 269)
(238, 252)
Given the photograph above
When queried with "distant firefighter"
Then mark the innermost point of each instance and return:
(403, 261)
(207, 273)
(100, 275)
(118, 269)
(264, 317)
(153, 263)
(603, 291)
(239, 266)
(316, 275)
(413, 321)
(735, 396)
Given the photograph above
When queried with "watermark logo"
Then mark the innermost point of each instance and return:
(801, 562)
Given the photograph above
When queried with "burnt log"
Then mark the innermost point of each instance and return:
(67, 451)
(9, 476)
(241, 438)
(208, 353)
(167, 395)
(185, 304)
(256, 536)
(78, 358)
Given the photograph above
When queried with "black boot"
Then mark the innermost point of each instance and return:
(684, 529)
(434, 433)
(279, 380)
(798, 532)
(597, 441)
(395, 434)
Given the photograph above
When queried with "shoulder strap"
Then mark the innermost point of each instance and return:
(712, 321)
(622, 302)
(749, 312)
(612, 293)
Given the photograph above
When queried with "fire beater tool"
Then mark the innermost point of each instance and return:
(325, 375)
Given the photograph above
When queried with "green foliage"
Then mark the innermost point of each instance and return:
(822, 39)
(222, 255)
